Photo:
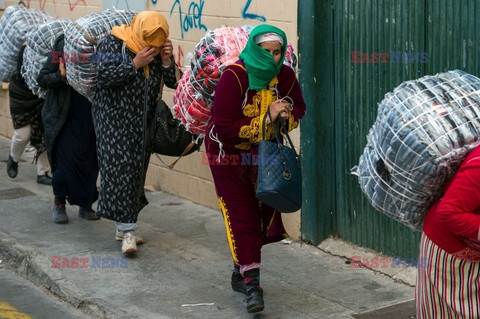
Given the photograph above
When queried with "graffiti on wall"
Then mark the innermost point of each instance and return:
(192, 18)
(71, 3)
(253, 16)
(179, 56)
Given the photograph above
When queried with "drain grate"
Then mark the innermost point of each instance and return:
(14, 193)
(405, 310)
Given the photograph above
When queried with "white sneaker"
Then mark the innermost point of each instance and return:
(129, 243)
(119, 237)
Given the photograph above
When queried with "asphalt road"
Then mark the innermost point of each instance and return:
(19, 299)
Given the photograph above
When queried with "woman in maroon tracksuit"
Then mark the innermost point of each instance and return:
(247, 89)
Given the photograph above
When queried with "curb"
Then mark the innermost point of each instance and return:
(406, 275)
(36, 267)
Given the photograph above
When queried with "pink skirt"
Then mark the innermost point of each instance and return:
(447, 286)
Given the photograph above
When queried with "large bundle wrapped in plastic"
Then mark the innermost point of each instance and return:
(40, 42)
(82, 38)
(218, 49)
(423, 130)
(15, 23)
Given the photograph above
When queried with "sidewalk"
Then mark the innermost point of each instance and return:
(182, 271)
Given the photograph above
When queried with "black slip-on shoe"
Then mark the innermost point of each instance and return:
(44, 179)
(12, 167)
(87, 213)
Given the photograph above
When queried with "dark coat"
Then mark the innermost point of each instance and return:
(123, 109)
(57, 99)
(26, 107)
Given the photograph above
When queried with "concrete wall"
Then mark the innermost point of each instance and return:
(6, 127)
(188, 22)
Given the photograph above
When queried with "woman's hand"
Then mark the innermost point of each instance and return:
(144, 57)
(61, 67)
(279, 107)
(166, 53)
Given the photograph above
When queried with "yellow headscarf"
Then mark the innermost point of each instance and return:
(148, 28)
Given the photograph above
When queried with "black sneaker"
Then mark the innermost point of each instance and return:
(255, 300)
(254, 292)
(44, 179)
(87, 213)
(238, 284)
(12, 167)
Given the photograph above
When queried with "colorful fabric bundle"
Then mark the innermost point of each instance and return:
(218, 49)
(190, 108)
(423, 130)
(40, 42)
(82, 38)
(15, 23)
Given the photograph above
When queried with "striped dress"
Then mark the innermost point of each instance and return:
(448, 287)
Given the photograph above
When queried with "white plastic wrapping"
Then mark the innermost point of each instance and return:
(423, 130)
(82, 38)
(15, 23)
(40, 42)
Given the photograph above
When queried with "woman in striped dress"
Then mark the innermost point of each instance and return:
(449, 284)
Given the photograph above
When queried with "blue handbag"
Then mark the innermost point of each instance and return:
(279, 181)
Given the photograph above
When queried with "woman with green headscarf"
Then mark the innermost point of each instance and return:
(257, 82)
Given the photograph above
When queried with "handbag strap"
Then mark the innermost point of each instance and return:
(185, 151)
(160, 95)
(279, 124)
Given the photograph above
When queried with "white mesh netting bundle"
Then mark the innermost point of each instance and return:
(82, 38)
(423, 130)
(218, 49)
(40, 42)
(16, 22)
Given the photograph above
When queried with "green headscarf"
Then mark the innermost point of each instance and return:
(260, 65)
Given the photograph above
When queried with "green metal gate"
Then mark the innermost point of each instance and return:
(342, 99)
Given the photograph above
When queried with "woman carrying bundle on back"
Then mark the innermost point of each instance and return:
(26, 112)
(123, 111)
(448, 282)
(258, 82)
(70, 140)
